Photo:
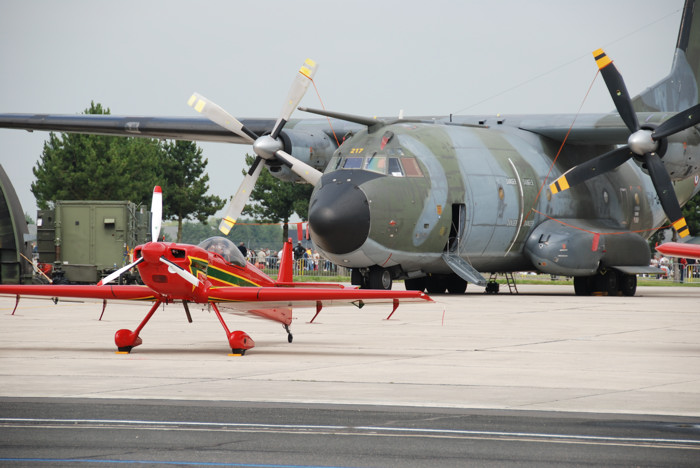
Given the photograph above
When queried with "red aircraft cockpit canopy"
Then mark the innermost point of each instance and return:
(225, 248)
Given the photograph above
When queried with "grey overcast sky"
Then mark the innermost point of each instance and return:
(375, 58)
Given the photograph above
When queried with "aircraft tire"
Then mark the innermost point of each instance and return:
(379, 278)
(356, 278)
(415, 284)
(582, 285)
(435, 284)
(609, 283)
(628, 284)
(456, 285)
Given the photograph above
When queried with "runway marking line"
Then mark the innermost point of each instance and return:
(690, 444)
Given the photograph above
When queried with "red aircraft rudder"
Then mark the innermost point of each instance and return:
(286, 273)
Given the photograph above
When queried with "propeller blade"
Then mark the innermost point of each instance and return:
(591, 168)
(156, 213)
(665, 192)
(618, 90)
(173, 268)
(300, 168)
(112, 276)
(238, 202)
(219, 116)
(678, 123)
(296, 93)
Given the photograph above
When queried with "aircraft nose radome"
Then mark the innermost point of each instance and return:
(339, 217)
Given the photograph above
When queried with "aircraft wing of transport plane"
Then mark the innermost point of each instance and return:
(216, 274)
(436, 201)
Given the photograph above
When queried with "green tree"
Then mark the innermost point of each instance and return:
(194, 233)
(186, 184)
(691, 211)
(94, 167)
(274, 201)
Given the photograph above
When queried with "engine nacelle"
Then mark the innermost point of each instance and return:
(680, 154)
(313, 147)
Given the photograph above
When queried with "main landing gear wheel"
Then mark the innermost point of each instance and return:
(455, 284)
(379, 278)
(628, 284)
(126, 340)
(436, 284)
(240, 342)
(610, 283)
(416, 284)
(290, 338)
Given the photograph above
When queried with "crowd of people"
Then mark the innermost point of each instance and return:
(305, 259)
(679, 268)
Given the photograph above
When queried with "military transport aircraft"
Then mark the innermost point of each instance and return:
(216, 274)
(437, 200)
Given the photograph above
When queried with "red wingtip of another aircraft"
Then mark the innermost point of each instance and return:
(677, 249)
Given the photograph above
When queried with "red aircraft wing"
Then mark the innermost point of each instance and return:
(677, 249)
(304, 297)
(109, 292)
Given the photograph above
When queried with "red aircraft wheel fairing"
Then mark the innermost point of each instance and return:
(240, 342)
(126, 340)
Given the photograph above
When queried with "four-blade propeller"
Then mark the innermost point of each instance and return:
(266, 147)
(643, 144)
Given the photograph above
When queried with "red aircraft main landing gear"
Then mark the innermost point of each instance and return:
(239, 341)
(126, 340)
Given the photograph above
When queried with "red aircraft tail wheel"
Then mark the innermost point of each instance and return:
(126, 340)
(240, 342)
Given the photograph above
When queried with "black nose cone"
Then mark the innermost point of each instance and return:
(339, 216)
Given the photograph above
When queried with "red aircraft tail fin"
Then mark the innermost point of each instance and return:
(286, 272)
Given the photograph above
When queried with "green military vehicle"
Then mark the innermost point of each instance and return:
(87, 240)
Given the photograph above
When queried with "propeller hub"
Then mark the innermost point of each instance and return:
(152, 251)
(266, 147)
(641, 142)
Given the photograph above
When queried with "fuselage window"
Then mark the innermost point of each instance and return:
(334, 163)
(395, 167)
(352, 163)
(410, 165)
(376, 164)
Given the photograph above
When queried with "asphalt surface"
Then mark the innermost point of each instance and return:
(535, 379)
(68, 432)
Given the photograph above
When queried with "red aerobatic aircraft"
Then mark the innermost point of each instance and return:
(213, 273)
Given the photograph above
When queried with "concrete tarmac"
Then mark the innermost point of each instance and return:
(543, 349)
